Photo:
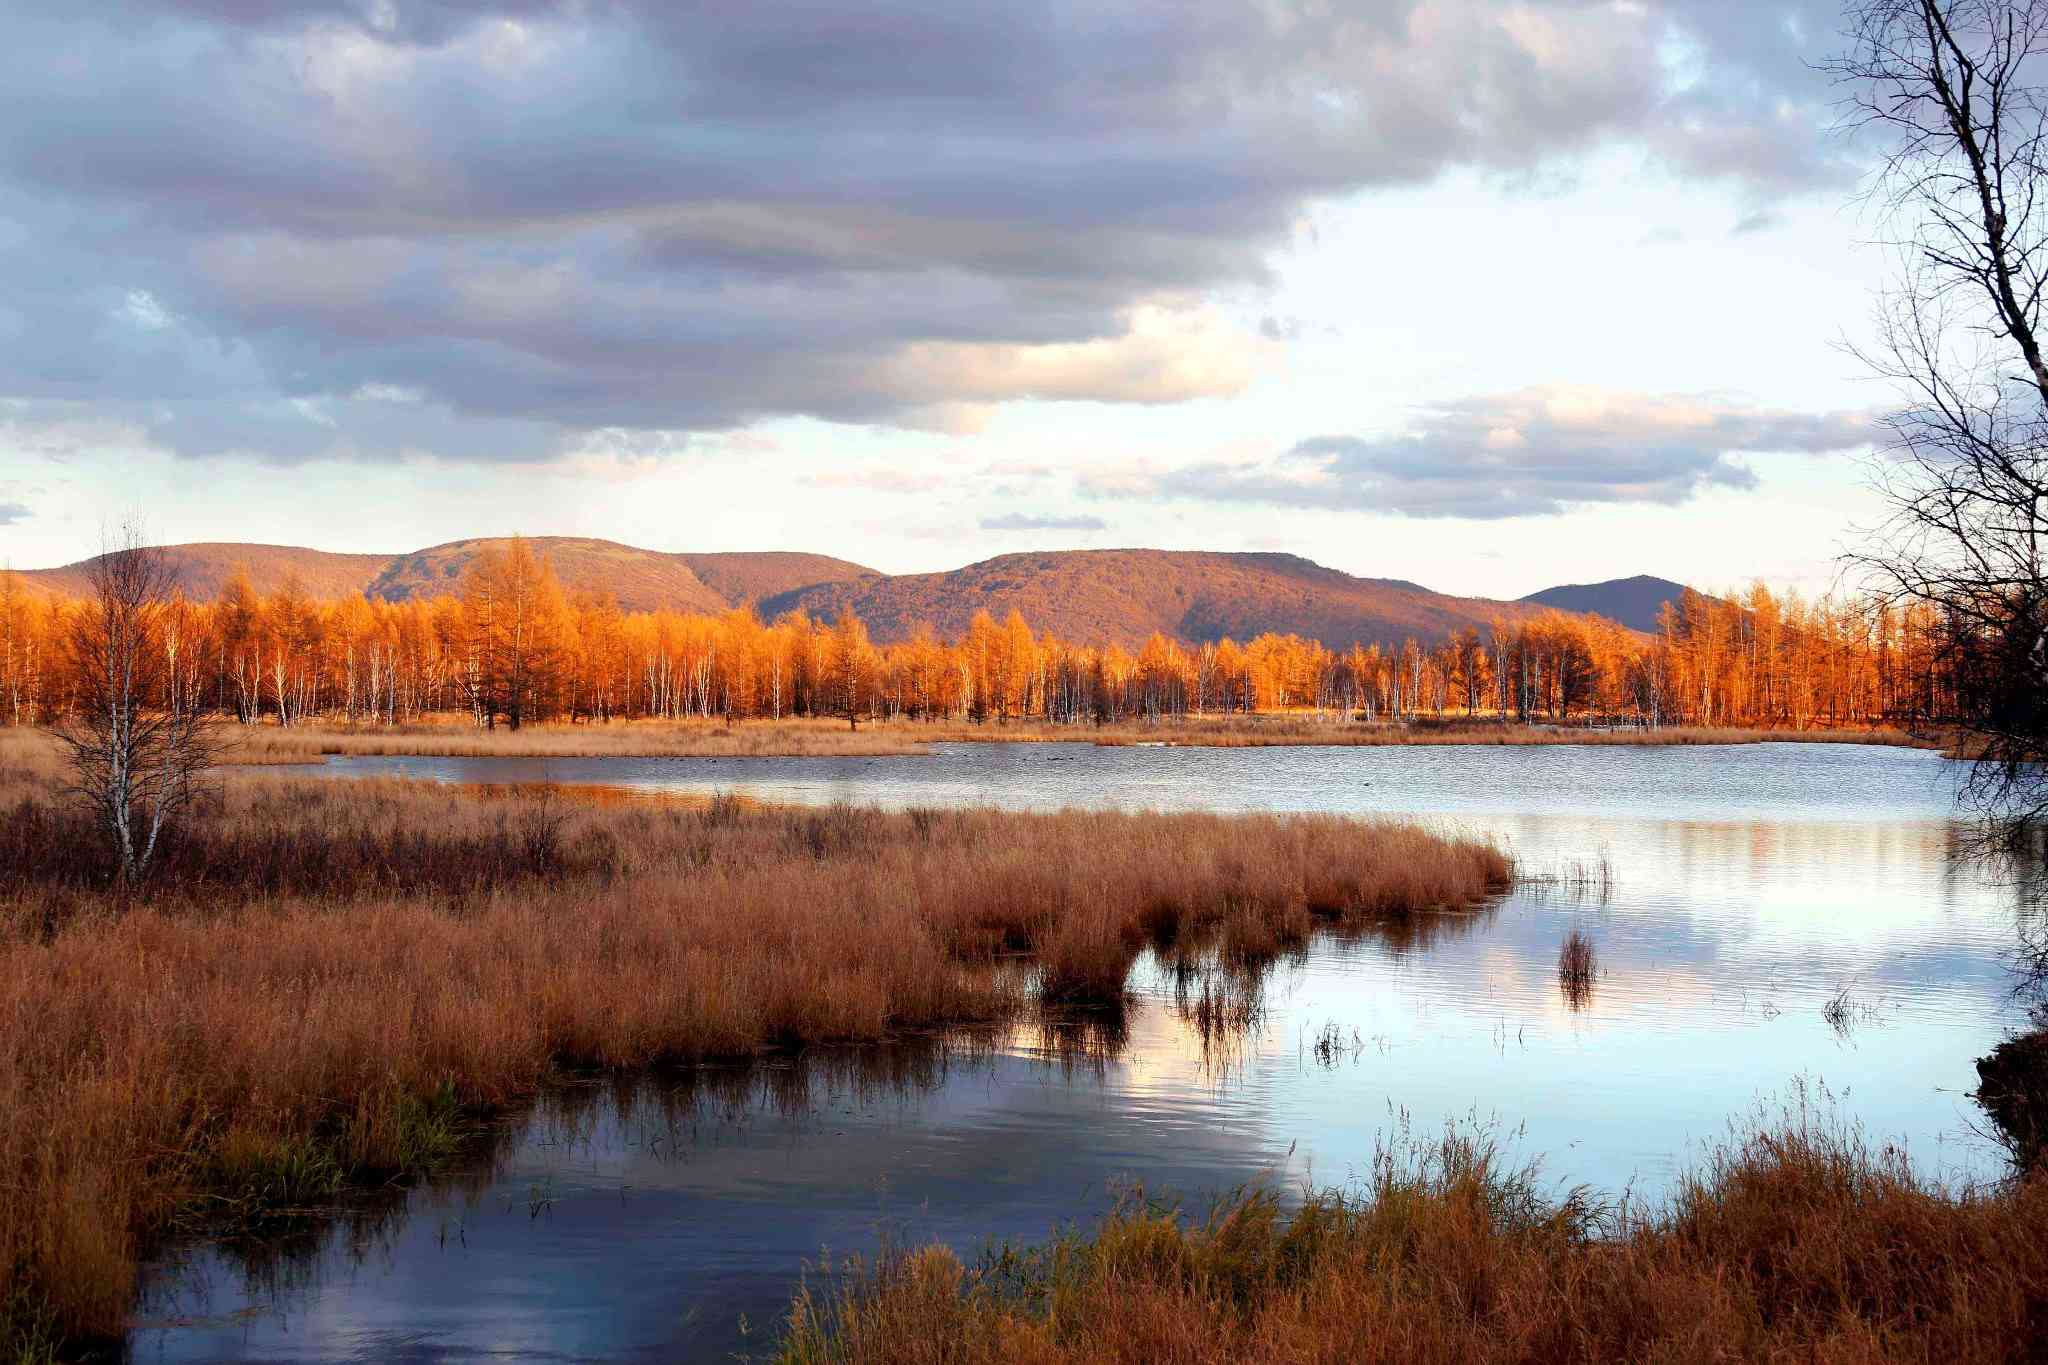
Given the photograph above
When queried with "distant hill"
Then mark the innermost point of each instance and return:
(642, 580)
(1094, 596)
(755, 577)
(1634, 602)
(203, 568)
(1125, 595)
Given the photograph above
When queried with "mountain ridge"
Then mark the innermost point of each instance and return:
(1118, 596)
(1634, 601)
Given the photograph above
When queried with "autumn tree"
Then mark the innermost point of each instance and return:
(515, 615)
(849, 660)
(136, 738)
(17, 647)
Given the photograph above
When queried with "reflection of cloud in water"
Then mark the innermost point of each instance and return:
(668, 1205)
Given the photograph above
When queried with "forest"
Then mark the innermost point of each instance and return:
(510, 646)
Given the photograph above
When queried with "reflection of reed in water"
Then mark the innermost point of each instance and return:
(1581, 880)
(657, 1111)
(278, 1252)
(1222, 999)
(1576, 968)
(1084, 1040)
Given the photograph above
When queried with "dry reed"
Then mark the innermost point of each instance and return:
(1795, 1242)
(313, 963)
(1576, 968)
(456, 737)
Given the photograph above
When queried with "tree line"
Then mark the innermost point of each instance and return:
(512, 646)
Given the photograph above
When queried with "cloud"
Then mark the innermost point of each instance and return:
(1537, 452)
(13, 512)
(1021, 521)
(878, 481)
(330, 229)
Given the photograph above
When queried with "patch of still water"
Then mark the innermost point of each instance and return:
(1780, 918)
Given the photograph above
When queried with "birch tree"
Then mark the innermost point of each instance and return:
(136, 740)
(1956, 90)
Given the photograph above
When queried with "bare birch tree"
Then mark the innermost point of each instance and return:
(1956, 87)
(137, 738)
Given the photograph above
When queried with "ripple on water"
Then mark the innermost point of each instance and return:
(1751, 887)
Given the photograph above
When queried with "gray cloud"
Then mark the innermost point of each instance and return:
(1534, 453)
(1020, 521)
(12, 512)
(224, 222)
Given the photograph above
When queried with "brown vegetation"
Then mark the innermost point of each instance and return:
(312, 964)
(2013, 1088)
(455, 737)
(1795, 1243)
(1576, 969)
(801, 737)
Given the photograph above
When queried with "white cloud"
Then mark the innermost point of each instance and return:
(1536, 452)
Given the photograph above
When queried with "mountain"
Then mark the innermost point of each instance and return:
(203, 568)
(1125, 595)
(1634, 602)
(1100, 596)
(758, 576)
(642, 580)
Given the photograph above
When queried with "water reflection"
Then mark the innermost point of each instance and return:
(667, 1217)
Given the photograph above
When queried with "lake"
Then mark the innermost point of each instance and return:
(1784, 922)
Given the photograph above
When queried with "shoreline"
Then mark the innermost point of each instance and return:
(270, 746)
(394, 960)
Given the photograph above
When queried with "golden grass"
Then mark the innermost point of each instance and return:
(313, 962)
(1307, 729)
(456, 737)
(1795, 1242)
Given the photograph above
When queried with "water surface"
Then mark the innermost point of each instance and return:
(669, 1217)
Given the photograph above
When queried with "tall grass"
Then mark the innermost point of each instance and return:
(1576, 968)
(458, 737)
(317, 970)
(1796, 1241)
(795, 737)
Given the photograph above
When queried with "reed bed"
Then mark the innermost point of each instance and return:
(1796, 1241)
(1335, 729)
(457, 737)
(320, 977)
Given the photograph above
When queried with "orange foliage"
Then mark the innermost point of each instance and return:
(510, 645)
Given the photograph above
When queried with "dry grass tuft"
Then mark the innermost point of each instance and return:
(312, 964)
(1576, 968)
(1797, 1242)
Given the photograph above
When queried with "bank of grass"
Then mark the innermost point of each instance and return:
(1796, 1241)
(323, 982)
(458, 737)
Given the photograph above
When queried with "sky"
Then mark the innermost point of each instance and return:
(1486, 295)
